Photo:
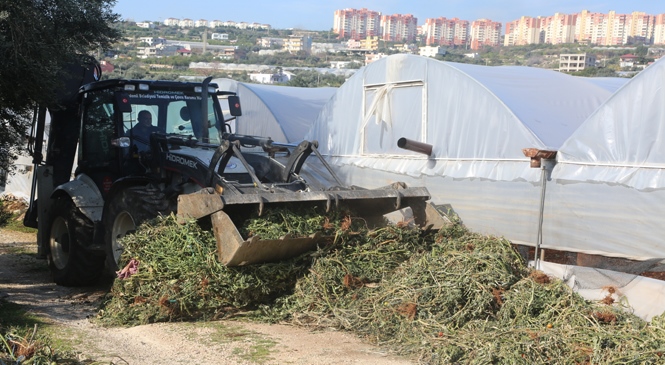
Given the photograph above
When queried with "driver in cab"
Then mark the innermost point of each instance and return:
(142, 130)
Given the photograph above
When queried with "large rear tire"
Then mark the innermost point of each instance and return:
(128, 209)
(69, 231)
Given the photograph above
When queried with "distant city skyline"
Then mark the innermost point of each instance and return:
(311, 15)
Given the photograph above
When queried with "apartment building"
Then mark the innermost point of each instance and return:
(270, 42)
(641, 27)
(295, 44)
(557, 29)
(431, 51)
(406, 48)
(245, 25)
(145, 25)
(525, 30)
(659, 29)
(359, 24)
(242, 25)
(278, 77)
(159, 50)
(219, 36)
(186, 23)
(485, 32)
(371, 57)
(152, 41)
(356, 23)
(171, 22)
(399, 28)
(587, 27)
(584, 27)
(189, 23)
(576, 62)
(371, 43)
(628, 60)
(612, 30)
(446, 32)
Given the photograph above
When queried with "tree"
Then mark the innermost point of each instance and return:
(641, 51)
(596, 72)
(38, 38)
(311, 78)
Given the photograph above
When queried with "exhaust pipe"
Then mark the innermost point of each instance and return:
(414, 146)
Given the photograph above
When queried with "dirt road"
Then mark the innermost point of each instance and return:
(25, 280)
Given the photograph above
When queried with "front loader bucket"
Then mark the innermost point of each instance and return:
(234, 249)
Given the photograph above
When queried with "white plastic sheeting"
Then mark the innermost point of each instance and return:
(477, 118)
(19, 182)
(622, 142)
(608, 188)
(282, 113)
(644, 297)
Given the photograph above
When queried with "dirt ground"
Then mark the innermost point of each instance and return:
(25, 280)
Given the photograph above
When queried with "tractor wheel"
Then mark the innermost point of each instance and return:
(128, 209)
(69, 230)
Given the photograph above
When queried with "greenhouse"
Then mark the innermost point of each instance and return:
(282, 113)
(609, 181)
(477, 119)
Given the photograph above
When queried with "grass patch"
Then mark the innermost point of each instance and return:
(28, 339)
(13, 315)
(20, 250)
(15, 223)
(222, 333)
(62, 338)
(257, 352)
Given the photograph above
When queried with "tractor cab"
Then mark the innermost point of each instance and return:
(119, 117)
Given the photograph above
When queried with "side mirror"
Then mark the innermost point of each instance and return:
(234, 105)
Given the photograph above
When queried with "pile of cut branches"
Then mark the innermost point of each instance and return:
(450, 296)
(179, 278)
(299, 222)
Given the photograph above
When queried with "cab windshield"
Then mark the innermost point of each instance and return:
(175, 113)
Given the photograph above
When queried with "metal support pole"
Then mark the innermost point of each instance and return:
(539, 238)
(546, 169)
(545, 160)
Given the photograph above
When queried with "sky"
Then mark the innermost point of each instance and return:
(319, 14)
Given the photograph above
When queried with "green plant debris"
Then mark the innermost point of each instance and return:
(443, 297)
(180, 278)
(298, 222)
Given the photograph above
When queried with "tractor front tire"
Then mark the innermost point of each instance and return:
(69, 231)
(125, 213)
